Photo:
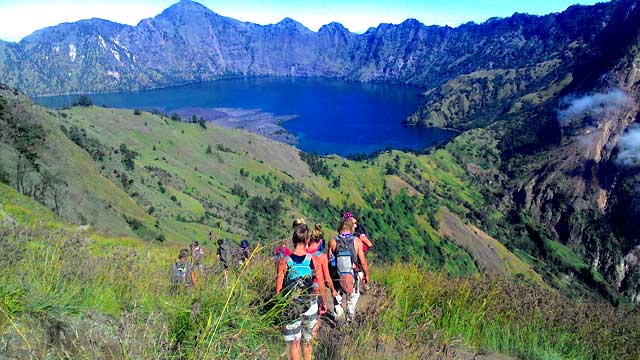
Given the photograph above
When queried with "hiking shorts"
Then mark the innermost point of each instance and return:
(302, 327)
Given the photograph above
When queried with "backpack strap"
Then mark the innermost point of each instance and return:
(307, 260)
(290, 262)
(317, 253)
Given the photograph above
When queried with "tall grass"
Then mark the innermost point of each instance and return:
(503, 316)
(98, 298)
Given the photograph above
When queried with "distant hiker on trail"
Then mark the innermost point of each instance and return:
(347, 250)
(224, 255)
(295, 278)
(244, 251)
(182, 272)
(313, 248)
(197, 253)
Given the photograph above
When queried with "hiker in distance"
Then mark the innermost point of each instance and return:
(347, 250)
(224, 256)
(295, 278)
(197, 254)
(182, 272)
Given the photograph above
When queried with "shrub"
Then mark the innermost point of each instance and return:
(83, 100)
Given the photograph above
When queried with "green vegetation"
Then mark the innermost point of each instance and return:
(83, 100)
(142, 177)
(119, 288)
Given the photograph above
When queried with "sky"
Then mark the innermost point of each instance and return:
(19, 18)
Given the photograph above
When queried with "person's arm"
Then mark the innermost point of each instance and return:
(327, 276)
(366, 240)
(282, 270)
(317, 271)
(332, 247)
(363, 260)
(193, 277)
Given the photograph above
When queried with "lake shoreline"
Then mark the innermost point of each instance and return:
(253, 120)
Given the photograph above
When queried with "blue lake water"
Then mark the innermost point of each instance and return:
(332, 116)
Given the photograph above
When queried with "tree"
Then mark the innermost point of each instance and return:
(176, 117)
(209, 150)
(137, 112)
(83, 100)
(127, 157)
(203, 123)
(4, 176)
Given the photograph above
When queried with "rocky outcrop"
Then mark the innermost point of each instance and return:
(188, 42)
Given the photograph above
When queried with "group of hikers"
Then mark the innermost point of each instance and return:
(305, 275)
(184, 272)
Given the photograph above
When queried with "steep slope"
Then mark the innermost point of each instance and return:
(69, 292)
(564, 167)
(171, 181)
(188, 42)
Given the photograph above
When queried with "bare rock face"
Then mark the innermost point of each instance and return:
(188, 42)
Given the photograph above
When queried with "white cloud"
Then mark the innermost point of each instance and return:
(597, 105)
(629, 146)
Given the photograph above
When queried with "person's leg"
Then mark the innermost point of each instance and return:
(294, 350)
(309, 323)
(292, 335)
(307, 350)
(352, 299)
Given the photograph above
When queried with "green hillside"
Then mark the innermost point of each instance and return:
(129, 173)
(69, 292)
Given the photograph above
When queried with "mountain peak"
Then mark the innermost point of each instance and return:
(289, 23)
(187, 7)
(333, 27)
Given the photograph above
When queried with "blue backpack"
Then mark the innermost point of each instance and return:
(300, 275)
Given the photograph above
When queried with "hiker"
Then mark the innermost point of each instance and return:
(360, 233)
(244, 251)
(347, 250)
(182, 271)
(196, 255)
(224, 256)
(313, 248)
(295, 278)
(283, 251)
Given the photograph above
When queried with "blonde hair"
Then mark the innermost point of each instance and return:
(317, 234)
(346, 224)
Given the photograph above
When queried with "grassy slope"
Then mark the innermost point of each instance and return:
(197, 178)
(399, 209)
(112, 299)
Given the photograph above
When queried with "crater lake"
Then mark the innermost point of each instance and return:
(324, 116)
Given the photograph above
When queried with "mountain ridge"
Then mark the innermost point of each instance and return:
(211, 46)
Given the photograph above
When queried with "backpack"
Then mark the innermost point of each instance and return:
(179, 273)
(345, 254)
(299, 276)
(225, 253)
(197, 255)
(280, 253)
